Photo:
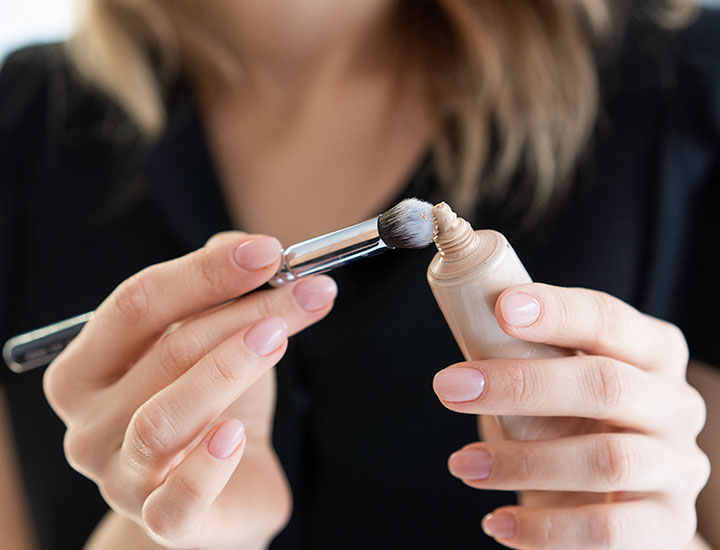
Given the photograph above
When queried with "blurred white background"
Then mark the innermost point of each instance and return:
(27, 21)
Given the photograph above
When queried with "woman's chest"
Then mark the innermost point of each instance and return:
(345, 164)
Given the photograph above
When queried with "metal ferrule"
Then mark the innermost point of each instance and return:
(329, 251)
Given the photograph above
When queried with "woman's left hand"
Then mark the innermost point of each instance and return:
(628, 474)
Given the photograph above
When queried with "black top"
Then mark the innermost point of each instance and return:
(81, 211)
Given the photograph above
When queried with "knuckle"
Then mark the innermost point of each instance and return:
(223, 370)
(151, 433)
(51, 383)
(57, 387)
(265, 305)
(697, 411)
(567, 318)
(678, 344)
(131, 298)
(607, 529)
(606, 314)
(610, 384)
(524, 468)
(275, 505)
(162, 521)
(178, 351)
(547, 532)
(79, 446)
(702, 470)
(210, 279)
(109, 490)
(122, 492)
(191, 490)
(615, 462)
(526, 386)
(689, 527)
(283, 512)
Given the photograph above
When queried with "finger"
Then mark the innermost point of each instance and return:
(601, 463)
(638, 525)
(593, 322)
(172, 418)
(578, 386)
(143, 306)
(223, 236)
(174, 512)
(300, 304)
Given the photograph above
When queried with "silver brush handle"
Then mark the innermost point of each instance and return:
(329, 251)
(39, 347)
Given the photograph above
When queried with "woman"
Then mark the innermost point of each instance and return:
(166, 124)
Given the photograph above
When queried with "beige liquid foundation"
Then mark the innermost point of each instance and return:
(467, 275)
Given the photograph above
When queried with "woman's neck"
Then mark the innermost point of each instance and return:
(284, 51)
(318, 119)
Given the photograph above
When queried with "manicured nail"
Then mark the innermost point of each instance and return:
(315, 293)
(520, 309)
(500, 526)
(226, 439)
(267, 335)
(257, 254)
(459, 384)
(470, 464)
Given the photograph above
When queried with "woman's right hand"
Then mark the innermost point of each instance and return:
(163, 394)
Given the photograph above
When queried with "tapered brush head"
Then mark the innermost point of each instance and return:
(408, 224)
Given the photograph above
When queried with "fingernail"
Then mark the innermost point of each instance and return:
(459, 384)
(315, 293)
(226, 439)
(257, 254)
(470, 464)
(520, 309)
(500, 526)
(267, 335)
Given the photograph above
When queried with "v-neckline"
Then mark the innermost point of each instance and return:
(185, 184)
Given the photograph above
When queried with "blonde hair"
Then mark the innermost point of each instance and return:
(513, 83)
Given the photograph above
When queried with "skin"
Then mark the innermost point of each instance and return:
(296, 100)
(14, 523)
(631, 465)
(142, 425)
(150, 454)
(705, 378)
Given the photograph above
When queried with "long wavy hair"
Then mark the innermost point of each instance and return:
(512, 84)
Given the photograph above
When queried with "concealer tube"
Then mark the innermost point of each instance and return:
(467, 275)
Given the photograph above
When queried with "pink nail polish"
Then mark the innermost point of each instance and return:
(458, 384)
(471, 464)
(258, 253)
(267, 335)
(226, 439)
(315, 293)
(500, 526)
(520, 309)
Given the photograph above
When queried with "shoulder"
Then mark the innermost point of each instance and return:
(30, 65)
(25, 76)
(42, 92)
(48, 111)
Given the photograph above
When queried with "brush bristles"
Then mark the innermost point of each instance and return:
(409, 224)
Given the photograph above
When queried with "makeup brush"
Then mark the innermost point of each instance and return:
(406, 225)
